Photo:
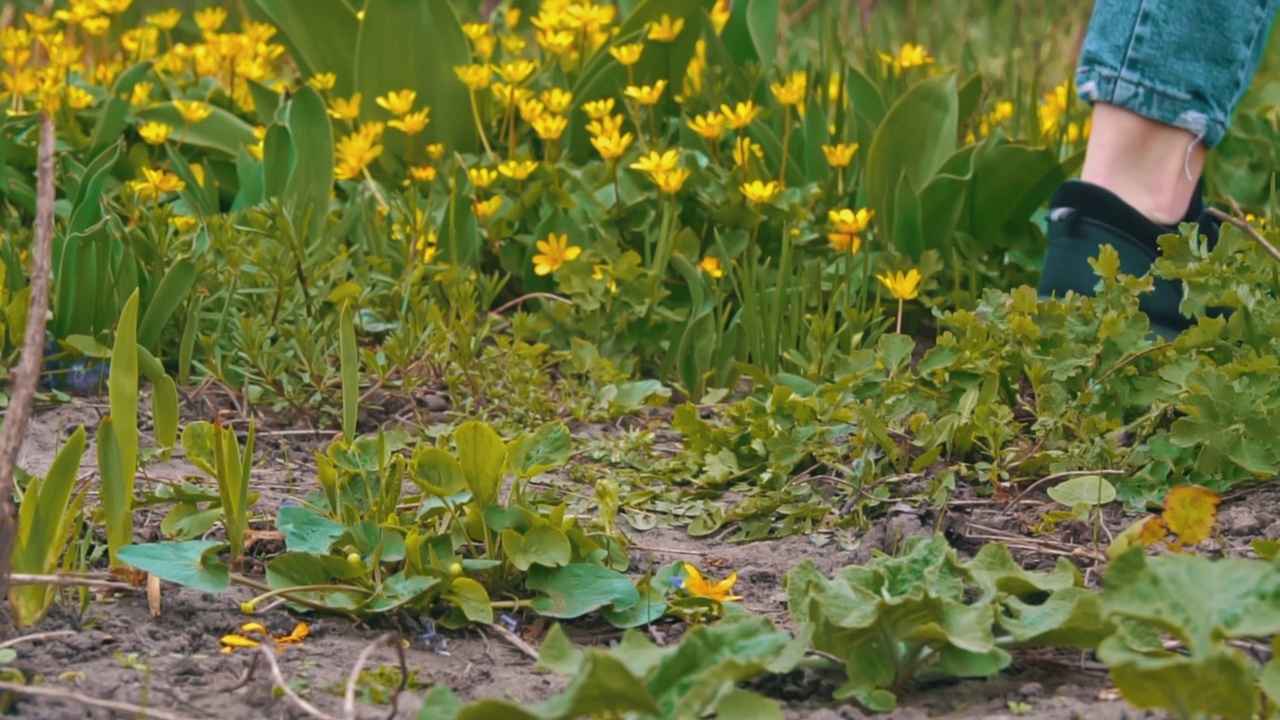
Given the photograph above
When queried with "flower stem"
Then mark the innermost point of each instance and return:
(475, 113)
(901, 302)
(786, 142)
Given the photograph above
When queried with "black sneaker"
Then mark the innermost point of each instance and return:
(1083, 218)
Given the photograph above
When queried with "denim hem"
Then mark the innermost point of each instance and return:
(1100, 84)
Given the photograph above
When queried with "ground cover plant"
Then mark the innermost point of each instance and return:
(636, 359)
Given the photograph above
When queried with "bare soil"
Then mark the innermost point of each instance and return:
(119, 651)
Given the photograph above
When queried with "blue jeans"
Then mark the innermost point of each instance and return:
(1185, 63)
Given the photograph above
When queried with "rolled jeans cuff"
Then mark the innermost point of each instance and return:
(1100, 84)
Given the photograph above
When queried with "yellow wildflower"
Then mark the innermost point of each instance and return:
(664, 30)
(701, 587)
(428, 246)
(627, 55)
(902, 286)
(840, 155)
(709, 126)
(211, 18)
(413, 123)
(848, 228)
(792, 90)
(155, 133)
(475, 30)
(909, 56)
(612, 145)
(509, 94)
(656, 162)
(670, 181)
(423, 173)
(435, 151)
(720, 15)
(192, 111)
(113, 7)
(182, 223)
(607, 125)
(597, 109)
(475, 77)
(354, 152)
(516, 71)
(711, 266)
(156, 183)
(743, 149)
(484, 209)
(761, 192)
(345, 108)
(531, 109)
(323, 81)
(165, 19)
(557, 100)
(140, 94)
(78, 98)
(550, 127)
(482, 177)
(517, 169)
(741, 114)
(397, 103)
(553, 253)
(646, 94)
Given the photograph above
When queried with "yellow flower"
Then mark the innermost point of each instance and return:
(165, 19)
(518, 169)
(1053, 109)
(554, 252)
(531, 109)
(509, 94)
(157, 182)
(597, 109)
(511, 18)
(612, 145)
(114, 7)
(556, 42)
(210, 19)
(155, 133)
(656, 162)
(665, 30)
(397, 103)
(435, 151)
(475, 30)
(711, 266)
(516, 71)
(141, 94)
(345, 109)
(512, 44)
(709, 126)
(646, 94)
(670, 181)
(413, 123)
(231, 642)
(761, 192)
(909, 56)
(699, 586)
(741, 114)
(627, 55)
(428, 246)
(482, 177)
(484, 209)
(192, 111)
(791, 91)
(475, 77)
(354, 152)
(902, 286)
(743, 149)
(848, 228)
(182, 223)
(550, 127)
(720, 15)
(78, 98)
(323, 81)
(422, 173)
(557, 100)
(840, 155)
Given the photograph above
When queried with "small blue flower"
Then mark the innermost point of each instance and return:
(509, 621)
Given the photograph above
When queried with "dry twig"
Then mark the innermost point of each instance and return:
(269, 652)
(515, 641)
(125, 708)
(23, 385)
(349, 697)
(36, 636)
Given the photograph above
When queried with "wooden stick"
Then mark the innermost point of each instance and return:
(125, 708)
(349, 697)
(515, 641)
(23, 387)
(269, 652)
(36, 636)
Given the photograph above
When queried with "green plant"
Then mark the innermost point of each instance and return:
(216, 450)
(47, 519)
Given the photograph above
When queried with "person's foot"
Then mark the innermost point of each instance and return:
(1084, 217)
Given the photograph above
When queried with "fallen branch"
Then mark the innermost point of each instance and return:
(125, 708)
(25, 377)
(36, 636)
(68, 581)
(515, 641)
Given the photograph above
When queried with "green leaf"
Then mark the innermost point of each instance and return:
(1083, 490)
(652, 605)
(472, 599)
(111, 121)
(123, 388)
(995, 571)
(549, 447)
(542, 545)
(37, 545)
(320, 34)
(197, 446)
(603, 688)
(349, 364)
(415, 44)
(306, 531)
(164, 412)
(558, 654)
(278, 158)
(436, 472)
(221, 132)
(746, 704)
(440, 703)
(915, 138)
(575, 590)
(751, 35)
(165, 301)
(1216, 683)
(193, 564)
(1071, 617)
(482, 455)
(311, 185)
(907, 230)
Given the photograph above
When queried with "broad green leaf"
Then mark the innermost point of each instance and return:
(1070, 617)
(311, 185)
(164, 413)
(197, 446)
(1218, 682)
(711, 661)
(116, 495)
(37, 545)
(221, 132)
(602, 688)
(558, 654)
(548, 448)
(915, 138)
(1083, 490)
(482, 455)
(906, 228)
(542, 545)
(306, 531)
(193, 564)
(278, 159)
(472, 599)
(391, 56)
(652, 605)
(437, 472)
(995, 571)
(746, 704)
(321, 35)
(165, 301)
(111, 122)
(440, 703)
(575, 590)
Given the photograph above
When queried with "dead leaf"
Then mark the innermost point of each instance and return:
(1190, 512)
